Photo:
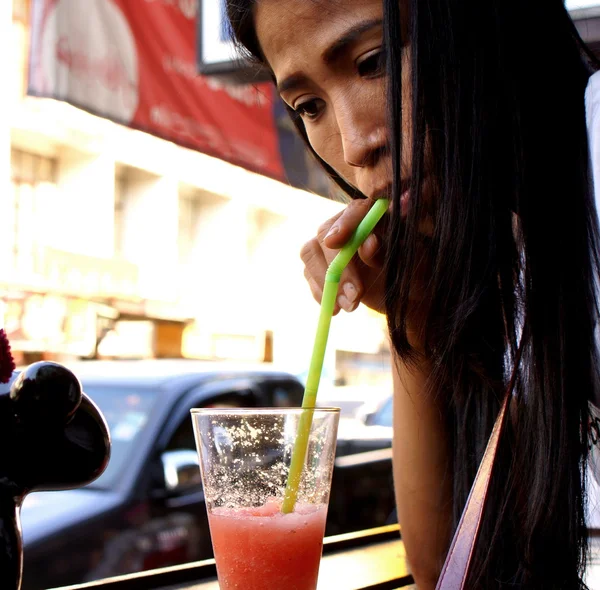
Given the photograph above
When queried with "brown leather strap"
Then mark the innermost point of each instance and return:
(456, 568)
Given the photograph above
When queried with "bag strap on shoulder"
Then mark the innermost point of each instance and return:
(456, 567)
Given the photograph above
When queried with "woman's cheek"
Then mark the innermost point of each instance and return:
(326, 142)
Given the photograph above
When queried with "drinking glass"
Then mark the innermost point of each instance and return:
(245, 460)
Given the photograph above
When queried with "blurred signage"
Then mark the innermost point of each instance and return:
(217, 54)
(134, 62)
(86, 276)
(589, 5)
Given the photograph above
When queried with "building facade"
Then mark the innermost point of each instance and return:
(118, 244)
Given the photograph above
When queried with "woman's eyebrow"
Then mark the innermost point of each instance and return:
(291, 83)
(332, 53)
(349, 37)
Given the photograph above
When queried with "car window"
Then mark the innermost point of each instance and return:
(183, 437)
(126, 410)
(284, 393)
(383, 417)
(279, 393)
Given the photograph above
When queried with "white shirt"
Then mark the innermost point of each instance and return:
(592, 111)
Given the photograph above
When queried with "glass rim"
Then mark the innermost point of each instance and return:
(261, 411)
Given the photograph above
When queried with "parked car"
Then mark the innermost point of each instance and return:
(134, 518)
(370, 428)
(147, 509)
(362, 491)
(350, 398)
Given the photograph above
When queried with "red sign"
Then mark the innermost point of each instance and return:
(134, 61)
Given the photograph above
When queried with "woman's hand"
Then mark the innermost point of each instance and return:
(362, 281)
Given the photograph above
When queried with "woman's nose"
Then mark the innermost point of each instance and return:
(363, 141)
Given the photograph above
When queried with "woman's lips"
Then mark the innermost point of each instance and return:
(386, 193)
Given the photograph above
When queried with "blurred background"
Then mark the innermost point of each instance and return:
(121, 244)
(155, 201)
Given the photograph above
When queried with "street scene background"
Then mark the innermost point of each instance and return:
(120, 244)
(155, 201)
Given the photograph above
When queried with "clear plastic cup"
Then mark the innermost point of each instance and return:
(245, 459)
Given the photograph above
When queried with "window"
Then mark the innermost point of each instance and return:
(20, 42)
(119, 218)
(33, 191)
(188, 220)
(183, 437)
(20, 11)
(283, 394)
(127, 411)
(384, 416)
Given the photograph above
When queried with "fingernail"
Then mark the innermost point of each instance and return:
(346, 305)
(334, 229)
(343, 302)
(371, 242)
(350, 292)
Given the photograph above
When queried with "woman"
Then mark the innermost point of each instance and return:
(470, 116)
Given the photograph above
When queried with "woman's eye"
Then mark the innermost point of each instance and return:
(371, 65)
(310, 109)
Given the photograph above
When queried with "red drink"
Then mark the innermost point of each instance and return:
(263, 549)
(245, 457)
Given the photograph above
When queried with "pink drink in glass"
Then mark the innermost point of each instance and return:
(263, 549)
(245, 457)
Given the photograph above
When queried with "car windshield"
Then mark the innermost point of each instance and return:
(126, 410)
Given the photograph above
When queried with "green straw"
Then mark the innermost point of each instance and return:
(332, 280)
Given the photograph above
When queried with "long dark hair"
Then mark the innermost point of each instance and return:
(498, 96)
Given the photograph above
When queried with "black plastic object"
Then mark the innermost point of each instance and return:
(52, 437)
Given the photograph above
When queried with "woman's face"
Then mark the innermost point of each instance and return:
(328, 63)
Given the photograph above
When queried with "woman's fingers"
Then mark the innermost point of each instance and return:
(337, 231)
(316, 258)
(315, 262)
(371, 252)
(317, 292)
(350, 289)
(362, 278)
